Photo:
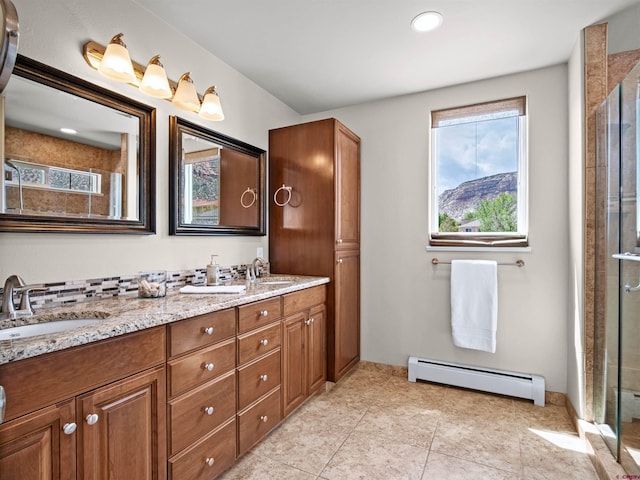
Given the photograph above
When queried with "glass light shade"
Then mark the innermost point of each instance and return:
(186, 96)
(426, 21)
(116, 62)
(155, 82)
(211, 108)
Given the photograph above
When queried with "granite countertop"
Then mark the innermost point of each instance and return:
(126, 314)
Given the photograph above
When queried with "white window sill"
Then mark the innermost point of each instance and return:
(478, 249)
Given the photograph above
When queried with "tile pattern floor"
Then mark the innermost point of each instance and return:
(376, 426)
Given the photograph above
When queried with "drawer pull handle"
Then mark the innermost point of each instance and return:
(264, 342)
(92, 418)
(264, 377)
(264, 418)
(264, 313)
(208, 331)
(208, 366)
(69, 428)
(208, 410)
(210, 461)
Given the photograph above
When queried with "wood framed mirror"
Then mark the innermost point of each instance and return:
(76, 157)
(217, 183)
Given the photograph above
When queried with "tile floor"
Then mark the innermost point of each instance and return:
(376, 426)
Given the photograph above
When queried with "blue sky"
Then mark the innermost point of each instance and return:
(460, 160)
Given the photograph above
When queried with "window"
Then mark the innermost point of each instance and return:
(35, 175)
(478, 175)
(201, 188)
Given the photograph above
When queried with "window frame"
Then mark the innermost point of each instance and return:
(520, 238)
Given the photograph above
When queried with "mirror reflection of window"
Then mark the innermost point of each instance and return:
(201, 181)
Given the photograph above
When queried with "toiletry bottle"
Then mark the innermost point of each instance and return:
(213, 272)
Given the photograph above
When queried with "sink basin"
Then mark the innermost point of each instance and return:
(44, 328)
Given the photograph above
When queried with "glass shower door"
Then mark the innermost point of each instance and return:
(617, 369)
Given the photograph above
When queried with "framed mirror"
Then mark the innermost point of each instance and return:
(76, 157)
(217, 183)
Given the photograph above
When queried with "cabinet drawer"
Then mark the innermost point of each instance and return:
(201, 366)
(257, 378)
(207, 458)
(304, 299)
(252, 345)
(257, 421)
(201, 331)
(188, 416)
(257, 314)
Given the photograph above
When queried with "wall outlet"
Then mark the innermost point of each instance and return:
(260, 252)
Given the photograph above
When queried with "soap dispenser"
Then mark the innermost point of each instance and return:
(213, 272)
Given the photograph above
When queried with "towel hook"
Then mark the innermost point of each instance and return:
(253, 199)
(286, 189)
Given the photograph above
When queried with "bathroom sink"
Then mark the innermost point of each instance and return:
(44, 328)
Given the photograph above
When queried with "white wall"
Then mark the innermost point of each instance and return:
(575, 313)
(53, 33)
(405, 300)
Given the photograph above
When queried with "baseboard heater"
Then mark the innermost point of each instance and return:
(522, 385)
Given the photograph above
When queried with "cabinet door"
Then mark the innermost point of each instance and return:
(34, 447)
(347, 178)
(294, 374)
(346, 327)
(316, 348)
(123, 429)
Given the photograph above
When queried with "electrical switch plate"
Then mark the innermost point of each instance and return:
(259, 252)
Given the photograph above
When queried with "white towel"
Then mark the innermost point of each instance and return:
(213, 289)
(474, 304)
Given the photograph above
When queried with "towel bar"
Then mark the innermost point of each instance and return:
(517, 263)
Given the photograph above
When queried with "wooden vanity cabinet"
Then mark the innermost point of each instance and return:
(92, 412)
(34, 447)
(259, 371)
(304, 346)
(317, 223)
(202, 395)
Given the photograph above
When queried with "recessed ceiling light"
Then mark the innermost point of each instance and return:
(70, 131)
(426, 21)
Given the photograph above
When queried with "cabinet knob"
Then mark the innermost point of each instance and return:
(69, 428)
(307, 322)
(339, 260)
(208, 366)
(339, 240)
(264, 342)
(264, 418)
(208, 331)
(208, 410)
(210, 461)
(264, 377)
(92, 418)
(264, 313)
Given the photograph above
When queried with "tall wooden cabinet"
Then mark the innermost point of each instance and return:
(314, 223)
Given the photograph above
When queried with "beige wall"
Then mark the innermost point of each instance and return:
(405, 300)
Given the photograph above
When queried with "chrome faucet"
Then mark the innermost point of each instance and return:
(8, 309)
(253, 272)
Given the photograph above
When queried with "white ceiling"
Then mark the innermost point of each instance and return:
(317, 55)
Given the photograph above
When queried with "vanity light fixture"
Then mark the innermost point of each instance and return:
(426, 21)
(155, 82)
(211, 109)
(116, 62)
(186, 96)
(152, 79)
